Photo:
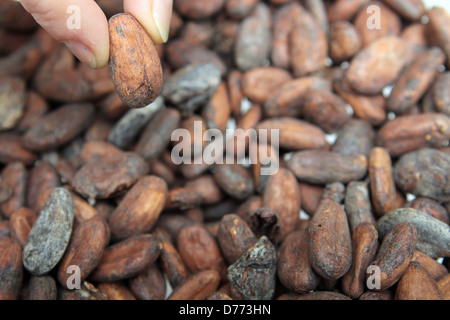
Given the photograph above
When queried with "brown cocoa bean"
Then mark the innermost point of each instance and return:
(358, 204)
(395, 253)
(13, 99)
(434, 268)
(415, 80)
(11, 268)
(289, 99)
(258, 84)
(417, 277)
(432, 234)
(58, 127)
(134, 63)
(140, 208)
(282, 195)
(172, 264)
(364, 249)
(387, 23)
(42, 288)
(234, 237)
(424, 173)
(111, 176)
(197, 287)
(200, 250)
(345, 41)
(327, 110)
(21, 222)
(293, 265)
(84, 251)
(116, 290)
(295, 134)
(430, 206)
(437, 29)
(407, 133)
(125, 259)
(234, 180)
(321, 166)
(378, 65)
(149, 284)
(382, 184)
(330, 245)
(308, 45)
(14, 177)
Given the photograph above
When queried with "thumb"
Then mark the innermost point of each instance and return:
(154, 16)
(80, 24)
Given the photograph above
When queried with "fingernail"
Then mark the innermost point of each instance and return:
(82, 53)
(162, 14)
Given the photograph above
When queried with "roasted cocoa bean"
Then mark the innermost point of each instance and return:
(125, 259)
(11, 268)
(330, 245)
(134, 62)
(140, 208)
(395, 253)
(424, 173)
(364, 249)
(293, 265)
(84, 251)
(253, 276)
(417, 277)
(50, 235)
(322, 166)
(432, 234)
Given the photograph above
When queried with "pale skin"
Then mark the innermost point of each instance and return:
(90, 42)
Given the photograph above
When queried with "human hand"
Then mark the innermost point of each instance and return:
(90, 41)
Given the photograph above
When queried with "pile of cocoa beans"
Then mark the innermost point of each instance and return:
(93, 206)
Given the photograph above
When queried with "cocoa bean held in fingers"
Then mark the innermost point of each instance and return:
(134, 63)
